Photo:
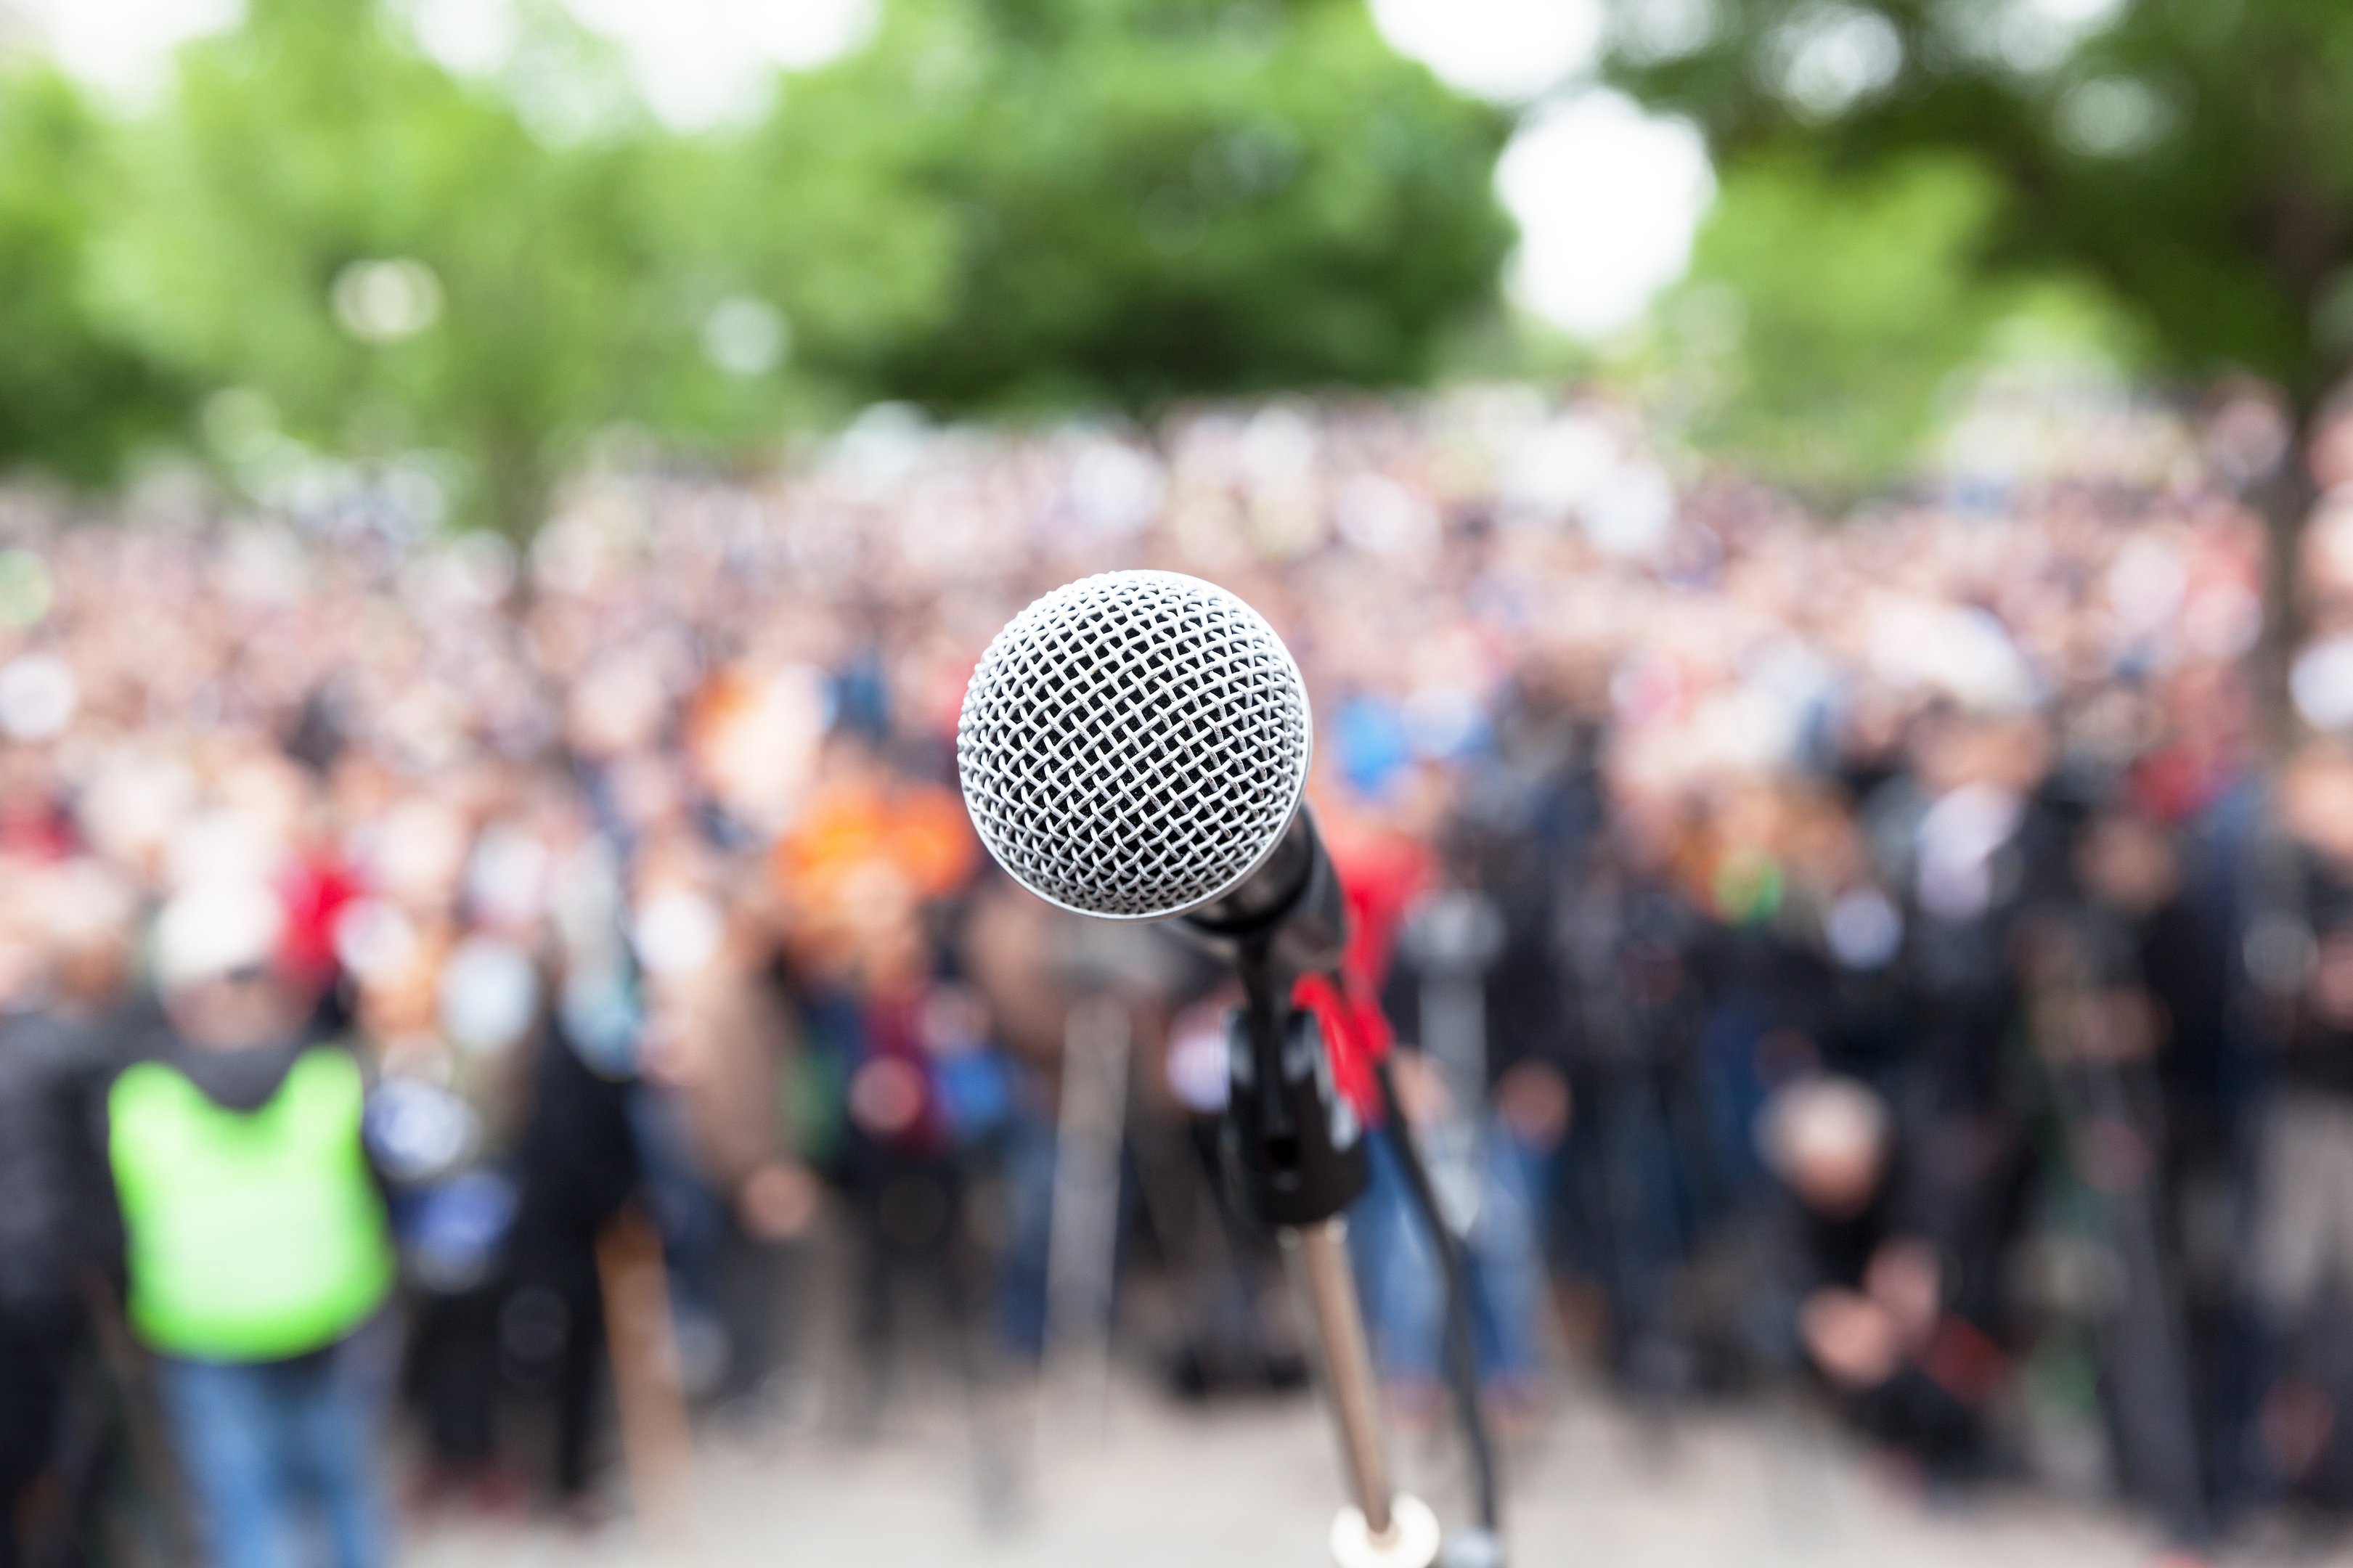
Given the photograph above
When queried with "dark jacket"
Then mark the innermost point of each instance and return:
(57, 1221)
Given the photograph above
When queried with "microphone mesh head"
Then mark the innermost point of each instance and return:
(1133, 745)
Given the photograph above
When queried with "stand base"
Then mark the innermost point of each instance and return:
(1411, 1541)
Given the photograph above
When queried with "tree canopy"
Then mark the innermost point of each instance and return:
(1142, 198)
(76, 394)
(993, 204)
(2194, 158)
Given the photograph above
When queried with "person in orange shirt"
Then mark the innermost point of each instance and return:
(869, 843)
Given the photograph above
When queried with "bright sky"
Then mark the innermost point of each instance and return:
(1607, 195)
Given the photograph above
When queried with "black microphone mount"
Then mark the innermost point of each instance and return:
(1294, 1146)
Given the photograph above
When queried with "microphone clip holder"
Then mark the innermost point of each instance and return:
(1294, 1146)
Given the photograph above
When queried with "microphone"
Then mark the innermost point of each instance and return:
(1134, 746)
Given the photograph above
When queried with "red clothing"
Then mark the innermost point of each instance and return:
(313, 892)
(1382, 871)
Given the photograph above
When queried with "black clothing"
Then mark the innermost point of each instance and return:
(57, 1240)
(53, 1187)
(242, 1080)
(578, 1162)
(2319, 1057)
(36, 1349)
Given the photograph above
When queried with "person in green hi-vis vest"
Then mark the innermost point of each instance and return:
(258, 1253)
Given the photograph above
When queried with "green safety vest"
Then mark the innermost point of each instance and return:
(252, 1235)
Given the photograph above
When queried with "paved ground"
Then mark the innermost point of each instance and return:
(1137, 1483)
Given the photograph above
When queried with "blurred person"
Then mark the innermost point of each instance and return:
(1021, 975)
(2126, 998)
(871, 842)
(76, 1004)
(2301, 1252)
(1636, 1172)
(1851, 930)
(1968, 836)
(1795, 964)
(92, 918)
(872, 877)
(34, 824)
(1480, 1070)
(458, 1022)
(907, 1189)
(56, 1249)
(577, 1167)
(260, 1256)
(576, 1159)
(1863, 1287)
(677, 932)
(716, 1117)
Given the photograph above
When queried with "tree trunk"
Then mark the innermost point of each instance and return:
(2284, 499)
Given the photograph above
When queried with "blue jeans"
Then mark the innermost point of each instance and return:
(1028, 1174)
(277, 1451)
(1404, 1291)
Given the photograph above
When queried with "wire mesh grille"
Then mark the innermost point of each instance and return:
(1133, 745)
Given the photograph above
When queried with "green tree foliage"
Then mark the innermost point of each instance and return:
(354, 250)
(2194, 158)
(393, 257)
(1823, 317)
(74, 396)
(1135, 199)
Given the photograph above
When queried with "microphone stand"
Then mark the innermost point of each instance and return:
(1295, 1149)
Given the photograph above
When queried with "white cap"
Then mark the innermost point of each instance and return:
(215, 929)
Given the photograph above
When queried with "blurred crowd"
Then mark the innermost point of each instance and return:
(1873, 958)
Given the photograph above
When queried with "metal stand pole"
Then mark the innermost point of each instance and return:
(1384, 1528)
(1321, 1255)
(1083, 1228)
